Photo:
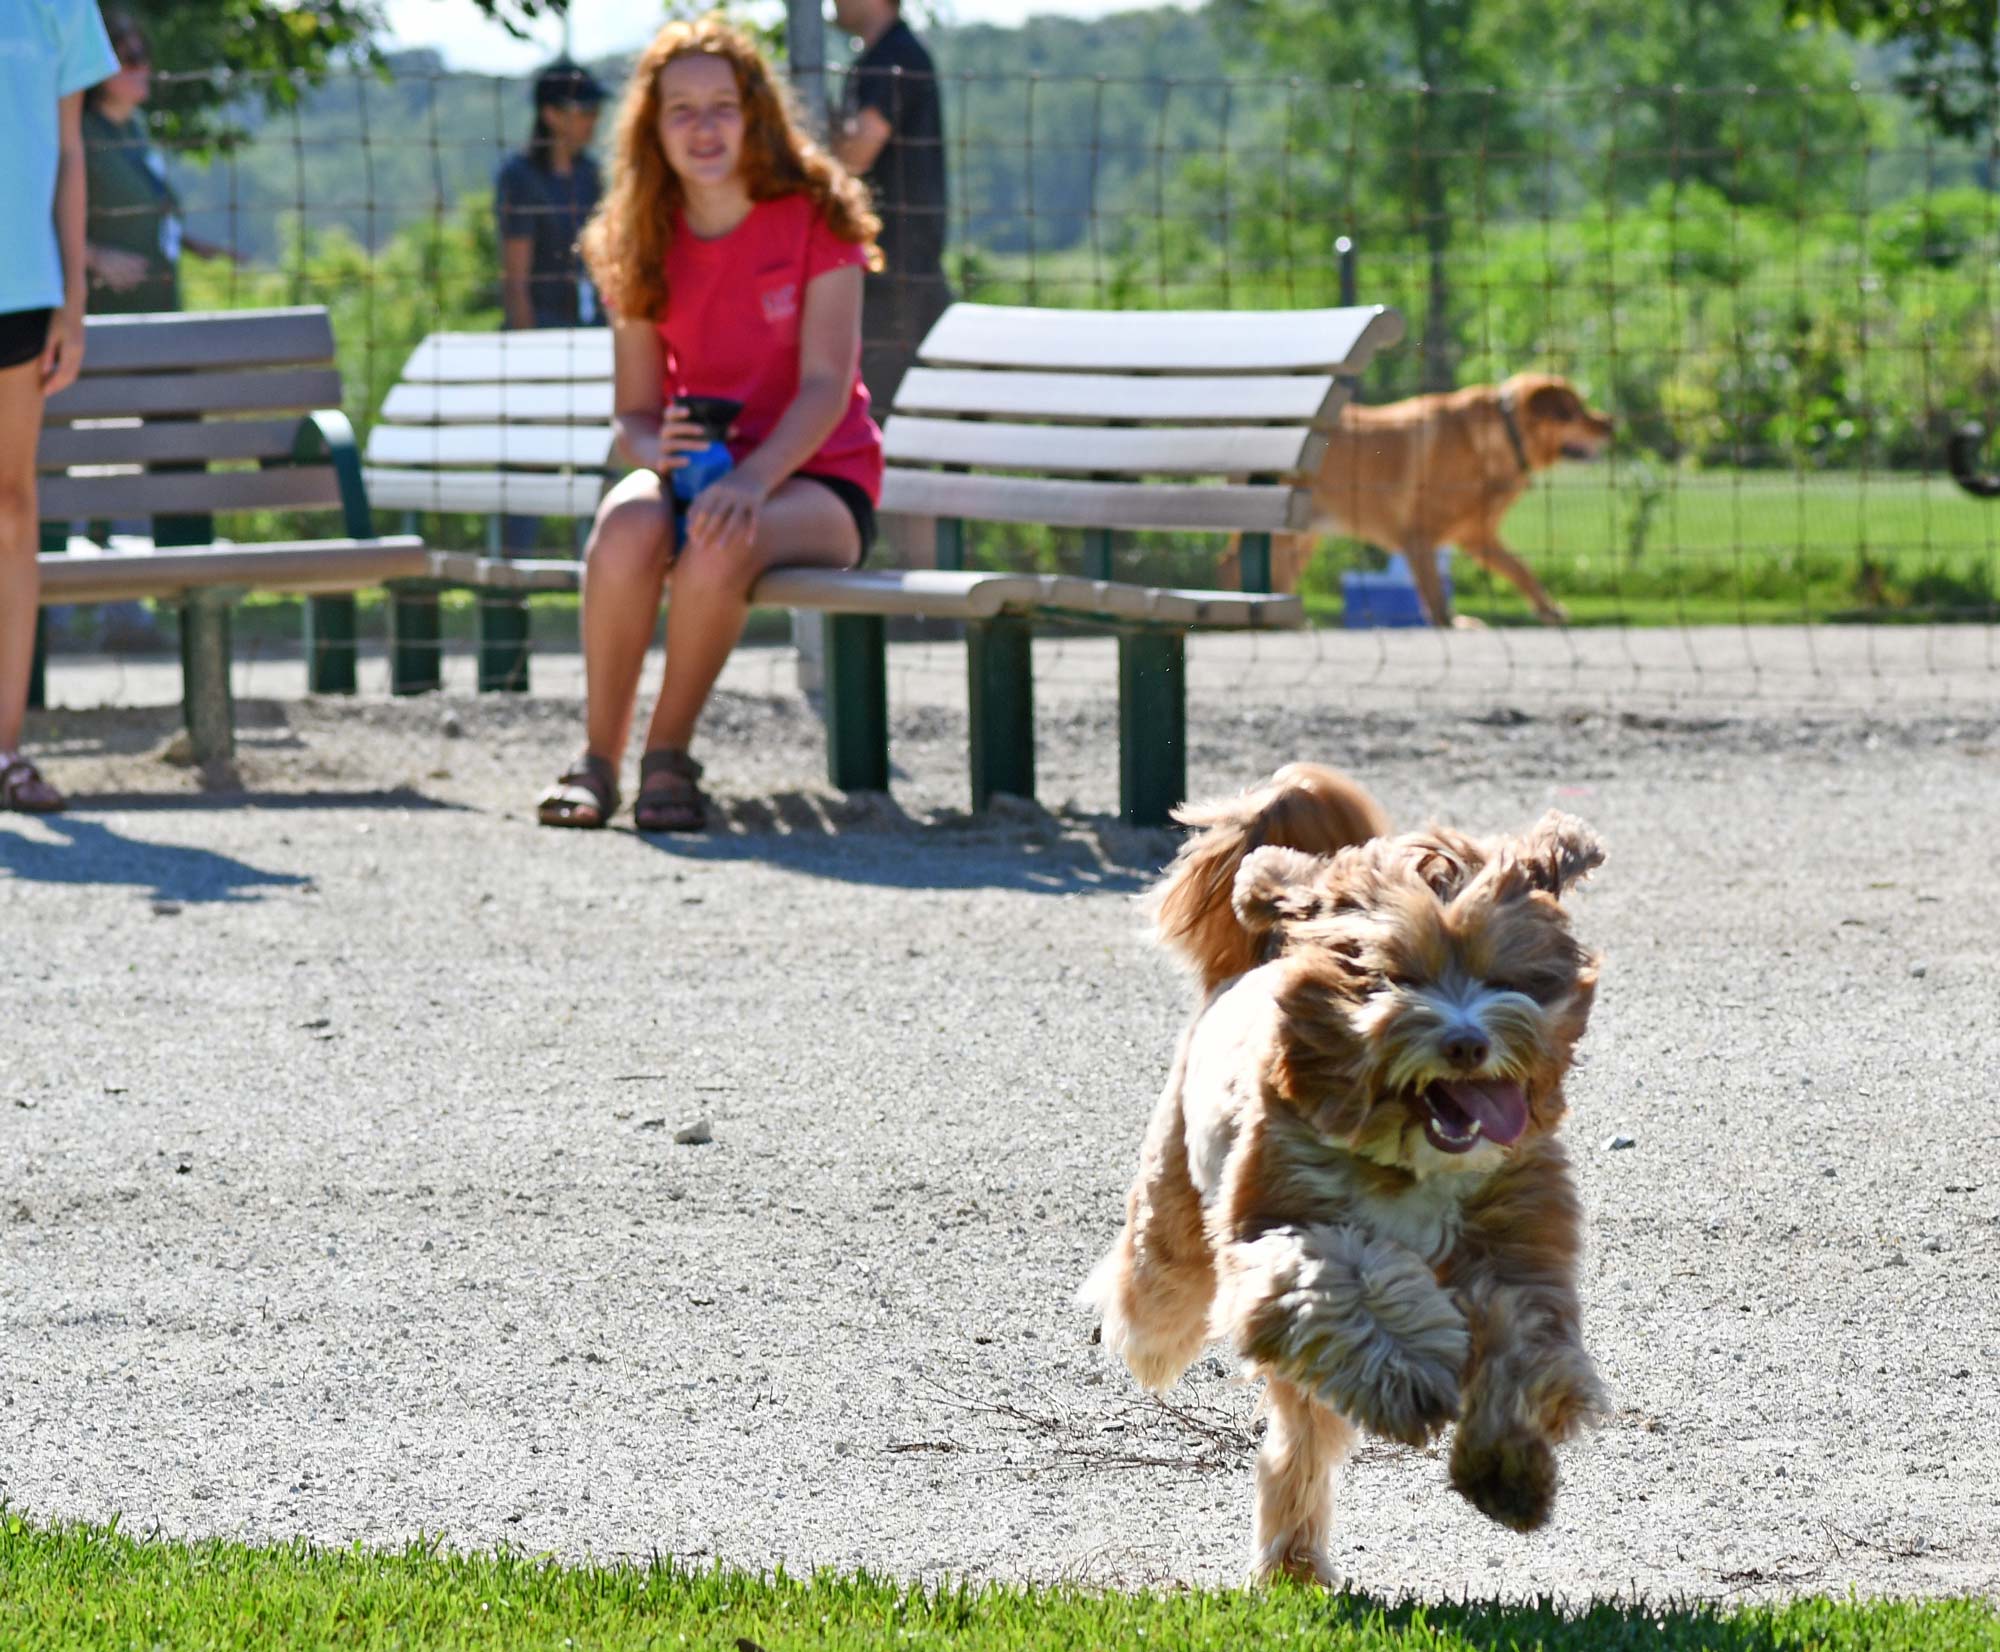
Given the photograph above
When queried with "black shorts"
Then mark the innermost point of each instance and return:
(24, 334)
(859, 506)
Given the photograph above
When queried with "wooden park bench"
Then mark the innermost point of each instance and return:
(1107, 422)
(179, 416)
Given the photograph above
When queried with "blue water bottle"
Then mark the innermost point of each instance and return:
(715, 414)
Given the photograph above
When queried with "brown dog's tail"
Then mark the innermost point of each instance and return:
(1303, 806)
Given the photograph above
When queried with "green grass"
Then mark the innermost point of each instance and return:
(1638, 545)
(91, 1587)
(1627, 543)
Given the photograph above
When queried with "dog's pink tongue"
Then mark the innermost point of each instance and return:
(1500, 1105)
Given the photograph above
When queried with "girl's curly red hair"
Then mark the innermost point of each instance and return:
(625, 242)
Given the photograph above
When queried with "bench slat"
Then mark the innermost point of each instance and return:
(552, 353)
(525, 493)
(491, 444)
(206, 341)
(295, 389)
(286, 487)
(932, 593)
(1102, 398)
(1076, 504)
(1205, 450)
(1160, 341)
(129, 443)
(585, 402)
(307, 565)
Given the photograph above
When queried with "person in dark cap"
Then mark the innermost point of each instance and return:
(545, 194)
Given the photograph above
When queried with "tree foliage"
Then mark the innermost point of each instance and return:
(1437, 117)
(215, 59)
(1952, 70)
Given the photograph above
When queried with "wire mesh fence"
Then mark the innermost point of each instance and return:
(1783, 297)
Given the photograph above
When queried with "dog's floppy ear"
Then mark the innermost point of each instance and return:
(1557, 403)
(1557, 851)
(1275, 886)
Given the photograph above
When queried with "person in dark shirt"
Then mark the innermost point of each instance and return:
(134, 238)
(543, 197)
(545, 194)
(891, 136)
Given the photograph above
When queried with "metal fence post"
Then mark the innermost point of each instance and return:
(805, 55)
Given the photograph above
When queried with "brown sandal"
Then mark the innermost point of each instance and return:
(23, 789)
(677, 806)
(585, 797)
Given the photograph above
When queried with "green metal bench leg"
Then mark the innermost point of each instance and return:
(38, 666)
(1097, 547)
(331, 645)
(1255, 561)
(504, 645)
(1152, 725)
(857, 703)
(951, 543)
(415, 641)
(205, 696)
(52, 541)
(999, 663)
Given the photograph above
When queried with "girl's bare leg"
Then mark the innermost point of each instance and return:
(20, 579)
(625, 571)
(802, 525)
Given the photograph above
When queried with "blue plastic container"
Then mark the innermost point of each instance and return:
(1371, 600)
(706, 465)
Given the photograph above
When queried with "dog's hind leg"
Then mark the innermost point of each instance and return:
(1154, 1287)
(1303, 1445)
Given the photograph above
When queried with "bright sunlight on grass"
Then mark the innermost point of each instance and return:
(91, 1587)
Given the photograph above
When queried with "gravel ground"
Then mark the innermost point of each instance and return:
(342, 1194)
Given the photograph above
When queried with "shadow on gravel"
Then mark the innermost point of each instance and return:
(868, 838)
(92, 853)
(399, 797)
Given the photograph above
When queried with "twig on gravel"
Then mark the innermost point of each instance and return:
(1919, 1547)
(1198, 1439)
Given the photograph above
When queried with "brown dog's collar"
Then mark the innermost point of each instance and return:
(1513, 429)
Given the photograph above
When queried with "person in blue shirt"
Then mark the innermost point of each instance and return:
(50, 52)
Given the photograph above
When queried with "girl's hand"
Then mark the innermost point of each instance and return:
(725, 516)
(120, 271)
(679, 436)
(62, 356)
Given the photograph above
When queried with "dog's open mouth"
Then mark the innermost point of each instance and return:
(1580, 450)
(1460, 1113)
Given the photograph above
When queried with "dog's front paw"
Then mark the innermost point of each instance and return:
(1404, 1397)
(1510, 1478)
(1362, 1324)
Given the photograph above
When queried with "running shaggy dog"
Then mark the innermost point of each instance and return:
(1352, 1175)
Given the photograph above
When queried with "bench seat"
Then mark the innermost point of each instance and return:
(305, 567)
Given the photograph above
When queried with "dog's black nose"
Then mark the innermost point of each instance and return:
(1467, 1051)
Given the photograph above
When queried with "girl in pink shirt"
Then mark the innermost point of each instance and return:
(729, 251)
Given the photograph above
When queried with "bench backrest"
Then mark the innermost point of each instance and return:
(481, 422)
(1125, 419)
(187, 390)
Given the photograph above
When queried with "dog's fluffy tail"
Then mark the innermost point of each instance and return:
(1303, 806)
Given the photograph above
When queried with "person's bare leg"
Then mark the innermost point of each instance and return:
(625, 572)
(802, 525)
(20, 579)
